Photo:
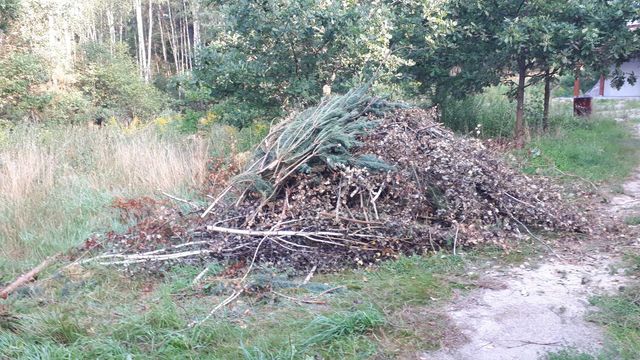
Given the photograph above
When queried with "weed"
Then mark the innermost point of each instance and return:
(325, 329)
(620, 315)
(57, 182)
(632, 220)
(596, 149)
(569, 355)
(489, 114)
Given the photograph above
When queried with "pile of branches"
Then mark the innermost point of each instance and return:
(354, 181)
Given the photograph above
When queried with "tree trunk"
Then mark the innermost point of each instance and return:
(547, 100)
(147, 75)
(197, 37)
(121, 28)
(162, 41)
(187, 37)
(519, 128)
(112, 29)
(142, 53)
(173, 41)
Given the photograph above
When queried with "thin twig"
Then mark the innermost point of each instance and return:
(253, 260)
(308, 278)
(331, 290)
(455, 240)
(197, 279)
(227, 301)
(194, 205)
(299, 301)
(535, 237)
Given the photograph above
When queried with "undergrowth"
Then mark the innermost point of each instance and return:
(593, 149)
(100, 313)
(57, 182)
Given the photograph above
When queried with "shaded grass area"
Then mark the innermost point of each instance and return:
(99, 313)
(598, 150)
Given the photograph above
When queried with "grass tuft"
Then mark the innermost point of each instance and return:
(593, 149)
(326, 329)
(632, 220)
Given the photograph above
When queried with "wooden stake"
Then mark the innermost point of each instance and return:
(24, 278)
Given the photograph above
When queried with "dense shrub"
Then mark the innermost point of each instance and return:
(112, 82)
(69, 107)
(22, 87)
(272, 55)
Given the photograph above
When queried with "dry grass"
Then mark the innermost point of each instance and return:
(55, 183)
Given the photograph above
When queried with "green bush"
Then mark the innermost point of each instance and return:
(21, 81)
(112, 82)
(69, 107)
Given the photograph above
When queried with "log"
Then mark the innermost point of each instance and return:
(26, 277)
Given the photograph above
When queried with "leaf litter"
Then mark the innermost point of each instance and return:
(351, 182)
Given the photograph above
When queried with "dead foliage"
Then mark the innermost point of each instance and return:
(396, 183)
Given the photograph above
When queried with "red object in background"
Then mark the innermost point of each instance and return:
(576, 87)
(602, 85)
(582, 106)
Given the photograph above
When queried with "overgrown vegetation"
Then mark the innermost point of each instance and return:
(596, 149)
(57, 182)
(146, 73)
(99, 313)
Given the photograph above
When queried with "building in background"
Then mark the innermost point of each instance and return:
(603, 87)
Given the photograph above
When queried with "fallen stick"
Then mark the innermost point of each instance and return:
(455, 241)
(536, 238)
(172, 197)
(226, 301)
(148, 253)
(272, 233)
(300, 301)
(308, 278)
(24, 278)
(331, 290)
(281, 233)
(136, 258)
(200, 276)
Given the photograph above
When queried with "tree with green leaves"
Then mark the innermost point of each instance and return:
(486, 42)
(275, 54)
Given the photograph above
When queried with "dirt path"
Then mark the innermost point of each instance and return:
(541, 309)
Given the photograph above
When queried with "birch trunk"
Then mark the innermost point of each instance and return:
(112, 30)
(173, 39)
(142, 55)
(197, 37)
(162, 41)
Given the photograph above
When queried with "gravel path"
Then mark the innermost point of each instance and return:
(540, 308)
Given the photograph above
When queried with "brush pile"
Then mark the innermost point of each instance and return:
(351, 182)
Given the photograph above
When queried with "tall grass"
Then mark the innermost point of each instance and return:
(55, 183)
(488, 114)
(491, 113)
